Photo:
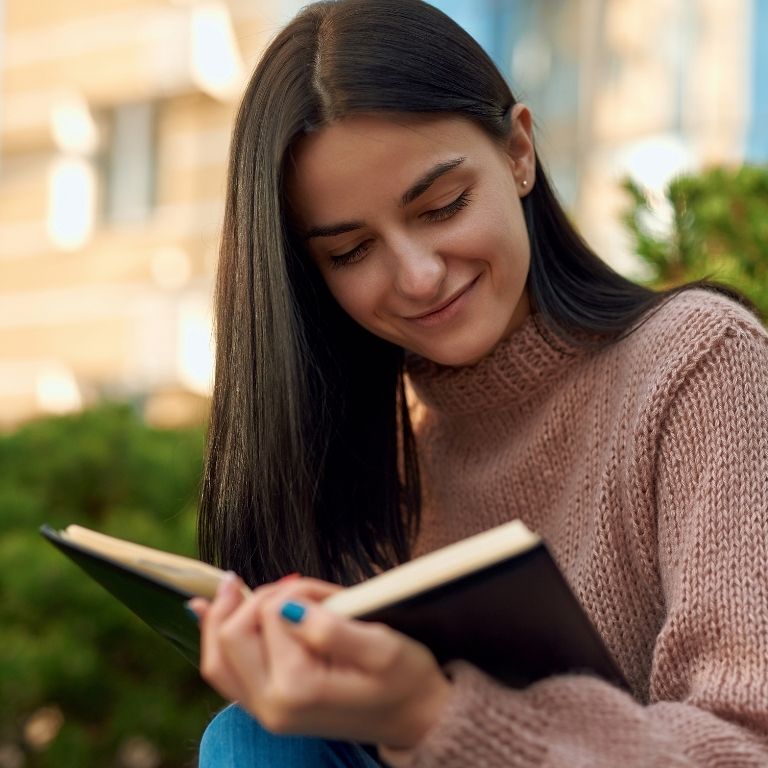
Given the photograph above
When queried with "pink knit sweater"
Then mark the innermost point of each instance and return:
(645, 467)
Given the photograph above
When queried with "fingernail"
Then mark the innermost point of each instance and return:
(289, 577)
(293, 612)
(188, 608)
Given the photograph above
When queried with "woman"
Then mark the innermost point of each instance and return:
(387, 213)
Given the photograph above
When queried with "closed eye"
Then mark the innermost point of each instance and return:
(447, 211)
(439, 214)
(350, 257)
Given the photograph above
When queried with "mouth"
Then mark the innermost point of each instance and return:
(443, 310)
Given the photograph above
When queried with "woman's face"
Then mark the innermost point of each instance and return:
(417, 228)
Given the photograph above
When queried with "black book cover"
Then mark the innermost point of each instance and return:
(159, 605)
(516, 619)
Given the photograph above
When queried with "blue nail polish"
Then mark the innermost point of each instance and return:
(191, 613)
(293, 612)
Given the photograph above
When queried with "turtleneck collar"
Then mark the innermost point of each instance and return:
(521, 365)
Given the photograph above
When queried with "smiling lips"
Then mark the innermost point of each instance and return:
(447, 309)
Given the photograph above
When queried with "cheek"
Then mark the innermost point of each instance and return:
(508, 238)
(358, 295)
(495, 232)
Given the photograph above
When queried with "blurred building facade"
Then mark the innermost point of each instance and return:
(115, 118)
(114, 132)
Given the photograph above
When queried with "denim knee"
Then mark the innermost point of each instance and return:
(234, 739)
(228, 739)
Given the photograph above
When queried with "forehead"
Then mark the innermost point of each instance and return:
(372, 158)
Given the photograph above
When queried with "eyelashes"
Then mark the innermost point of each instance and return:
(438, 215)
(350, 257)
(447, 211)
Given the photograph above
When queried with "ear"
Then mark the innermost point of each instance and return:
(520, 149)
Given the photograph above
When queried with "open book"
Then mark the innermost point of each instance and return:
(496, 599)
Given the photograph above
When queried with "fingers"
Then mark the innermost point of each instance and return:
(230, 629)
(214, 667)
(369, 647)
(249, 658)
(234, 657)
(299, 668)
(198, 606)
(306, 588)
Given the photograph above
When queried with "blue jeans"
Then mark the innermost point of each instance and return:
(233, 739)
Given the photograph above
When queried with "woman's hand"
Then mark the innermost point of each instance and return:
(298, 668)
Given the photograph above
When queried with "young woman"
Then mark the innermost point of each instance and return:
(388, 217)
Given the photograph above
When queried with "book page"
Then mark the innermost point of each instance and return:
(176, 570)
(431, 570)
(399, 583)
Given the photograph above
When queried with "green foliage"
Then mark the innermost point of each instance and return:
(719, 230)
(64, 642)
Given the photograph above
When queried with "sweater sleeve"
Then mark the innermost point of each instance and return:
(708, 687)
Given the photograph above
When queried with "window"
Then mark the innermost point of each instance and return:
(129, 166)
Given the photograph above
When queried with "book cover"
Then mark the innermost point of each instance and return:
(497, 600)
(158, 603)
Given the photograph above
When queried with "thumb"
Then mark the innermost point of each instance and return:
(369, 646)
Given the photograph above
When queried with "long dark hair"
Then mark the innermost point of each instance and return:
(311, 464)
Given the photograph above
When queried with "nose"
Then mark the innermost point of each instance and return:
(419, 271)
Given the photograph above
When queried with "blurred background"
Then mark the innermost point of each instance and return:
(115, 118)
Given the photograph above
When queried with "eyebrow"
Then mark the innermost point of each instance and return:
(417, 189)
(428, 179)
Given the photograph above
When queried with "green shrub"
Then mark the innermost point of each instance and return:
(719, 230)
(65, 644)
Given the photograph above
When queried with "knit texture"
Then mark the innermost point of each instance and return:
(645, 467)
